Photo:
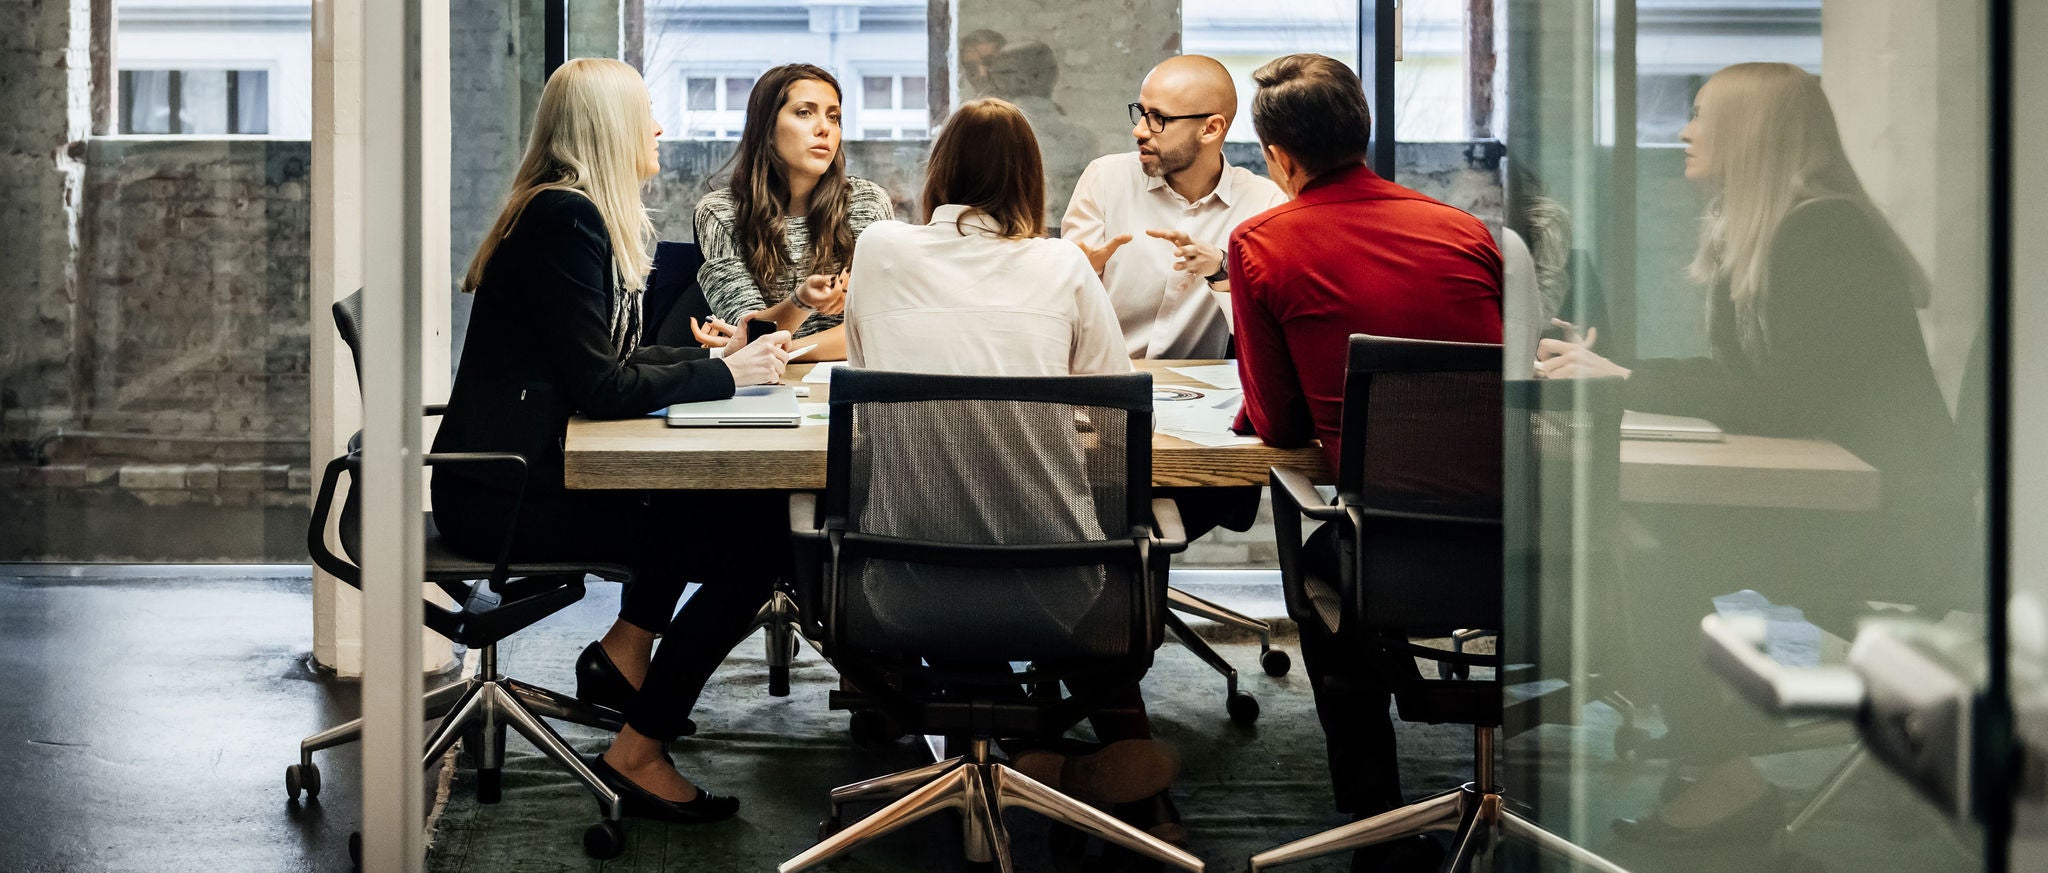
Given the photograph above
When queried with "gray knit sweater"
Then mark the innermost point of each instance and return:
(727, 285)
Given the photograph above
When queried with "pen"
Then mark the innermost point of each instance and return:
(801, 352)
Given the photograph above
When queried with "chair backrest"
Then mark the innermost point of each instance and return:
(348, 321)
(673, 296)
(1421, 466)
(998, 518)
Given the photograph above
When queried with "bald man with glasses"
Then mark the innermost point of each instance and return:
(1154, 221)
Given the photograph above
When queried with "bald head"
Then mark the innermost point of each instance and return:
(1192, 83)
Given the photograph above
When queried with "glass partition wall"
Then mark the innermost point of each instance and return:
(1777, 218)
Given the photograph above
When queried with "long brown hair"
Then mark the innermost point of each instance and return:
(760, 187)
(986, 158)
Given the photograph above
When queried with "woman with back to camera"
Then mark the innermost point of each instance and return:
(980, 290)
(1813, 334)
(553, 333)
(790, 217)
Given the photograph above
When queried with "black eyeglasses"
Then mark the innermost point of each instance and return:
(1157, 122)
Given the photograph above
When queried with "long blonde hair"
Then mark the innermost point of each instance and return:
(1771, 136)
(589, 136)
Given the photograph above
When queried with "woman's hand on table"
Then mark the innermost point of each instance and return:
(1574, 358)
(759, 363)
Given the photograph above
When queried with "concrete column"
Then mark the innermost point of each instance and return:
(43, 61)
(1907, 80)
(338, 177)
(594, 28)
(1072, 79)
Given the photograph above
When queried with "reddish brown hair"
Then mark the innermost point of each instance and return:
(986, 158)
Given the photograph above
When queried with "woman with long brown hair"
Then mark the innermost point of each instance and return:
(790, 216)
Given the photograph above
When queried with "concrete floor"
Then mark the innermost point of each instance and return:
(150, 714)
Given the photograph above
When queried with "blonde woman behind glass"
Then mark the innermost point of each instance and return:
(1813, 334)
(554, 332)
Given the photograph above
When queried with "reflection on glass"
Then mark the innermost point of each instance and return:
(1822, 478)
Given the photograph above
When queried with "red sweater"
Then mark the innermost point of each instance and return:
(1354, 253)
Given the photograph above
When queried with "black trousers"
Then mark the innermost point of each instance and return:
(732, 542)
(1352, 699)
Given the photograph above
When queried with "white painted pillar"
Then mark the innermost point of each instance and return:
(1907, 79)
(337, 271)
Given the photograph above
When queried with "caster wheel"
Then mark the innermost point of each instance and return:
(778, 681)
(1243, 708)
(828, 827)
(1276, 662)
(355, 849)
(871, 727)
(1629, 741)
(604, 840)
(1458, 671)
(302, 777)
(490, 786)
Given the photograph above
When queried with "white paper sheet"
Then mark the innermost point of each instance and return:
(821, 372)
(1222, 375)
(1203, 420)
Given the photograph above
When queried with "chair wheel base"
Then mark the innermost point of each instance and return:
(1275, 662)
(490, 785)
(778, 681)
(302, 777)
(605, 840)
(1243, 708)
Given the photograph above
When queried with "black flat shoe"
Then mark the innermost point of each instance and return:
(599, 681)
(641, 803)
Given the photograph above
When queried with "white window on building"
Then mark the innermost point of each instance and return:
(715, 104)
(195, 101)
(889, 107)
(702, 56)
(217, 68)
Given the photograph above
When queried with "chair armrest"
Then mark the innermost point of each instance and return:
(1170, 536)
(434, 409)
(316, 531)
(1301, 494)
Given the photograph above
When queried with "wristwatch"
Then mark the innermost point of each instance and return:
(1222, 274)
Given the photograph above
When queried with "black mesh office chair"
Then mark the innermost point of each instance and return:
(981, 521)
(1418, 511)
(673, 298)
(494, 599)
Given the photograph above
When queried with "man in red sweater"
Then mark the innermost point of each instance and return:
(1349, 253)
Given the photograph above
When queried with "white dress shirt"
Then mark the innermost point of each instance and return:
(1165, 313)
(954, 297)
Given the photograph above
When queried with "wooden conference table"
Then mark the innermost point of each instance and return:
(1751, 471)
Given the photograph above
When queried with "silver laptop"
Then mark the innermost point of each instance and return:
(1673, 428)
(753, 406)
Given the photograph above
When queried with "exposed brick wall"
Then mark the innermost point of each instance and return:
(185, 412)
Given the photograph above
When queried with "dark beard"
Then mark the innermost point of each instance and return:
(1171, 162)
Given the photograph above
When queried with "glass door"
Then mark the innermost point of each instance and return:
(1749, 599)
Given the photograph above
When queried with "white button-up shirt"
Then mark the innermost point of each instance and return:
(954, 297)
(1165, 313)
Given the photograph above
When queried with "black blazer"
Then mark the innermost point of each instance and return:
(539, 347)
